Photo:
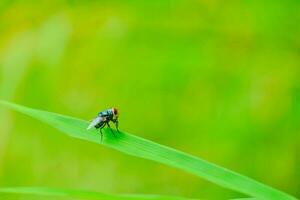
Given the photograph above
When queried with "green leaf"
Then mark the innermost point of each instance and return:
(84, 194)
(136, 146)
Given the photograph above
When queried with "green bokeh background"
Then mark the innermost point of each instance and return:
(217, 79)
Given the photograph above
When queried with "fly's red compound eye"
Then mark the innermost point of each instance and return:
(115, 111)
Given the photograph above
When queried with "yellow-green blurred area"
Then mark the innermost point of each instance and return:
(217, 79)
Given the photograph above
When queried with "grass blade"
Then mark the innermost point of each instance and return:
(84, 194)
(143, 148)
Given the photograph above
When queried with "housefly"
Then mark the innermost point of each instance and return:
(103, 118)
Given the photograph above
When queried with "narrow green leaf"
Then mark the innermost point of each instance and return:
(143, 148)
(84, 194)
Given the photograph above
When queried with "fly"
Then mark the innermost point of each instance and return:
(103, 118)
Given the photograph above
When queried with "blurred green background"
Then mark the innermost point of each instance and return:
(217, 79)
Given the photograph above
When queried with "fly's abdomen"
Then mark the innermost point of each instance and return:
(97, 121)
(99, 124)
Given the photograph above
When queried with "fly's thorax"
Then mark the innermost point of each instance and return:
(106, 114)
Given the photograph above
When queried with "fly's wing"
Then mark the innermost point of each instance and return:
(95, 121)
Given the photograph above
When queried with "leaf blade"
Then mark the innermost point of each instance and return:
(57, 192)
(140, 147)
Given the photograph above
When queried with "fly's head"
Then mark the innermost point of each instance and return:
(115, 113)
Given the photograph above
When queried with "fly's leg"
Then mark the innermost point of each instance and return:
(101, 133)
(110, 129)
(117, 124)
(100, 128)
